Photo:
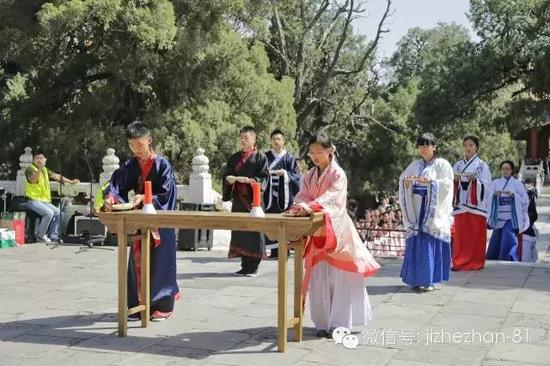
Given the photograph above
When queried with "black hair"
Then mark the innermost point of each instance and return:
(472, 138)
(427, 138)
(137, 129)
(509, 162)
(276, 132)
(246, 129)
(38, 151)
(321, 139)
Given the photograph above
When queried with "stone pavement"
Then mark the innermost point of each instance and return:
(543, 224)
(58, 307)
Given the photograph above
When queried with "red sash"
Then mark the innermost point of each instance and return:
(242, 190)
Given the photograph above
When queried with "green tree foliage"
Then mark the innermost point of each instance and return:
(439, 62)
(313, 42)
(75, 72)
(514, 39)
(81, 70)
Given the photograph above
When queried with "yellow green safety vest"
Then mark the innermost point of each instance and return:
(100, 196)
(39, 191)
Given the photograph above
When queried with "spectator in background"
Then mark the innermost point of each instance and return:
(384, 202)
(352, 209)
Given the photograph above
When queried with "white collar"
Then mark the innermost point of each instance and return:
(278, 155)
(472, 159)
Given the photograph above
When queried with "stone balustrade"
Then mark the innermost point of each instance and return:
(199, 189)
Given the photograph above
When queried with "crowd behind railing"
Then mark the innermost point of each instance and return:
(381, 228)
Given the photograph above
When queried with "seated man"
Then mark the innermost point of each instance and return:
(37, 190)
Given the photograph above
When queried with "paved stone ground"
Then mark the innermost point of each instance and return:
(543, 224)
(58, 307)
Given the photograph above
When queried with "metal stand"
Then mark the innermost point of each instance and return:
(86, 236)
(61, 205)
(4, 198)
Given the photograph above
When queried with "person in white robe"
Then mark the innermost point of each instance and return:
(426, 197)
(472, 195)
(509, 215)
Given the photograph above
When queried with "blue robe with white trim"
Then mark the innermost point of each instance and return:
(427, 215)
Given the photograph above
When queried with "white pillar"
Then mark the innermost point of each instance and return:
(110, 164)
(25, 161)
(200, 181)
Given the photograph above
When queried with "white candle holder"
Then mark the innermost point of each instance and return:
(149, 209)
(257, 212)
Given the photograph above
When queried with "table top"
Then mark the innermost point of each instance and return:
(132, 220)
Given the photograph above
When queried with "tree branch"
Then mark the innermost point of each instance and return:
(372, 47)
(330, 27)
(317, 16)
(278, 52)
(282, 41)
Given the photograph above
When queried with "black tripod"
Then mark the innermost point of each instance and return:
(61, 204)
(91, 240)
(85, 237)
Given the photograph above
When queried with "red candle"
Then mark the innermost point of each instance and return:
(256, 194)
(148, 199)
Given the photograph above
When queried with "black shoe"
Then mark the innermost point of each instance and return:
(274, 254)
(251, 274)
(134, 317)
(323, 334)
(241, 272)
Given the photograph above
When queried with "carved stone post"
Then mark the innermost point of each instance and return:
(25, 160)
(200, 181)
(110, 164)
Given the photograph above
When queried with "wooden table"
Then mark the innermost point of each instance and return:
(126, 223)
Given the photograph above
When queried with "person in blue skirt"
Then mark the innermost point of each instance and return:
(508, 216)
(426, 197)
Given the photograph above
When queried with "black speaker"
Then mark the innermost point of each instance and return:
(91, 225)
(193, 239)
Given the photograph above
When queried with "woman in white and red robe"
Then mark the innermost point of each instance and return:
(336, 259)
(472, 195)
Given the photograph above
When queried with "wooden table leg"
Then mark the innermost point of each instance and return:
(122, 280)
(298, 278)
(281, 315)
(145, 277)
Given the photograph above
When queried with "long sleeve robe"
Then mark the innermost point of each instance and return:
(164, 287)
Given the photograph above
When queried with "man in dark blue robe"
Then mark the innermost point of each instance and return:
(146, 165)
(283, 183)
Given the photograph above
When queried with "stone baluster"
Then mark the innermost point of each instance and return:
(200, 181)
(110, 164)
(25, 160)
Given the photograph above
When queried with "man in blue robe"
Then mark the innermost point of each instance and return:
(146, 165)
(283, 183)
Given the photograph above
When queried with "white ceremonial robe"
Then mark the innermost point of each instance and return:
(338, 298)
